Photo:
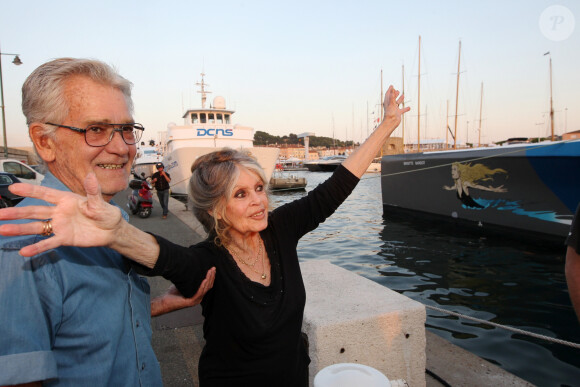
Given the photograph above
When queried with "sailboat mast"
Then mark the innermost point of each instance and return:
(419, 101)
(551, 102)
(447, 128)
(480, 106)
(403, 117)
(457, 97)
(381, 99)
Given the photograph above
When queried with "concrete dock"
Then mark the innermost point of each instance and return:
(178, 336)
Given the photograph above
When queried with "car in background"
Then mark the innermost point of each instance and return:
(7, 198)
(22, 171)
(40, 168)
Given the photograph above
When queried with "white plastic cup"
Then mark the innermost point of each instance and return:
(350, 375)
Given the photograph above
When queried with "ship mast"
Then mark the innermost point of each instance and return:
(203, 91)
(551, 101)
(457, 98)
(447, 130)
(381, 99)
(480, 105)
(403, 117)
(419, 101)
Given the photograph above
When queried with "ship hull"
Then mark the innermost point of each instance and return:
(178, 164)
(530, 189)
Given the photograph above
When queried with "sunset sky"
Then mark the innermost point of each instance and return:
(297, 66)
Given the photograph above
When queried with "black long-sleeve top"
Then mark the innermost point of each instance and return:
(253, 332)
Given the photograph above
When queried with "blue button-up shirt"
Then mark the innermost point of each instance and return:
(73, 316)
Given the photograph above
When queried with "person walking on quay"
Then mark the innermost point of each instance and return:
(253, 314)
(161, 180)
(76, 316)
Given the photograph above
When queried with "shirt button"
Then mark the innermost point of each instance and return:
(137, 324)
(142, 366)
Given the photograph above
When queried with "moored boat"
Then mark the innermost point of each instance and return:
(375, 166)
(325, 164)
(280, 182)
(146, 159)
(205, 130)
(530, 188)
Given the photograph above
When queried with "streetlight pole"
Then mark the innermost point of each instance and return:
(17, 62)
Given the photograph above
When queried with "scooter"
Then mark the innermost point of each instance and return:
(140, 201)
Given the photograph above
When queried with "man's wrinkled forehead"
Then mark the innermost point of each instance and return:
(78, 94)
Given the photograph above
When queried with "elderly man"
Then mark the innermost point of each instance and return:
(76, 316)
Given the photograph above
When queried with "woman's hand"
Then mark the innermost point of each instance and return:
(173, 300)
(358, 162)
(76, 220)
(391, 105)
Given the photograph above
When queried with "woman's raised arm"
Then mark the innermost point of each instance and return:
(358, 162)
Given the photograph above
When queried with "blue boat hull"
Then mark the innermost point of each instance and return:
(529, 188)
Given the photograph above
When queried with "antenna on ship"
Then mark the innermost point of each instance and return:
(203, 91)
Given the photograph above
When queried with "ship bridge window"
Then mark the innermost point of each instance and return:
(211, 118)
(202, 118)
(227, 116)
(194, 118)
(220, 118)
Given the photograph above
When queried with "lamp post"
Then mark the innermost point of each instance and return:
(17, 62)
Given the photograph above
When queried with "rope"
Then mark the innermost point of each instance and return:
(508, 328)
(516, 330)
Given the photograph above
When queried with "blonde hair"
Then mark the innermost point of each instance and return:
(212, 182)
(477, 172)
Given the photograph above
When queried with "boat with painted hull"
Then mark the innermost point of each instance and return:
(532, 189)
(206, 130)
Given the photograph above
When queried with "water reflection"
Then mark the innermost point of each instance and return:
(505, 281)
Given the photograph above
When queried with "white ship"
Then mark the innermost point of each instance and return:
(146, 159)
(203, 131)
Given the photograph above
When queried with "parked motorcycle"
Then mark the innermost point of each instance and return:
(140, 200)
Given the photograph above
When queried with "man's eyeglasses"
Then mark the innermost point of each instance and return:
(101, 134)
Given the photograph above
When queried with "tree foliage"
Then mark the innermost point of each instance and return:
(264, 139)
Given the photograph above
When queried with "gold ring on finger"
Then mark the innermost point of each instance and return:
(46, 228)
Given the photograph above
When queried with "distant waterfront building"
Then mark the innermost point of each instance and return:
(393, 146)
(571, 135)
(425, 145)
(292, 151)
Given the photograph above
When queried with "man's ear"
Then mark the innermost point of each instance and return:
(44, 144)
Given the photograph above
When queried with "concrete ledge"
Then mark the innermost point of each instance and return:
(458, 367)
(350, 319)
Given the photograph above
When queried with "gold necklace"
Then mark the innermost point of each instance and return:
(251, 266)
(235, 254)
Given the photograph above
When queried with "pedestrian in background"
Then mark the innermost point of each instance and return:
(161, 180)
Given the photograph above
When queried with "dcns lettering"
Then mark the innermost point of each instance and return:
(215, 132)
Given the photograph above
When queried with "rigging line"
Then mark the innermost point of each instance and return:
(180, 181)
(506, 327)
(468, 161)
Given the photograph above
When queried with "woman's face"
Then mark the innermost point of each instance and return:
(247, 207)
(454, 172)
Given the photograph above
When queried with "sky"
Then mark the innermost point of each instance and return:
(315, 66)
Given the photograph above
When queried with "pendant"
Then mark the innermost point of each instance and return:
(264, 276)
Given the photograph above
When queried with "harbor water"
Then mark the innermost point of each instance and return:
(511, 282)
